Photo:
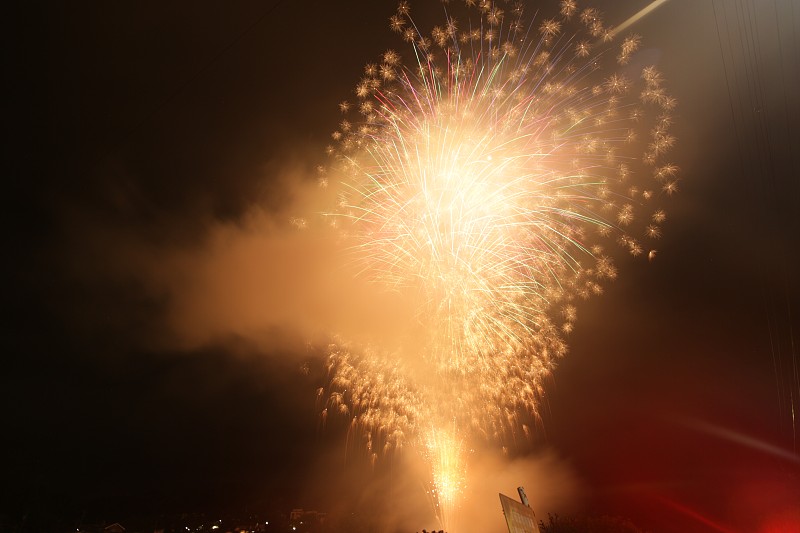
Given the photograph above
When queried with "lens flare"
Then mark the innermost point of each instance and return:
(487, 175)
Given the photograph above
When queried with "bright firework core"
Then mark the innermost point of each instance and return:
(445, 454)
(484, 183)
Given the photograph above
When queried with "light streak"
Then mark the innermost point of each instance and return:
(652, 6)
(742, 439)
(486, 182)
(695, 515)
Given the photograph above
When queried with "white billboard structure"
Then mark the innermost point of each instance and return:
(520, 518)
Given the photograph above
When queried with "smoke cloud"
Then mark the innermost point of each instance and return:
(393, 495)
(550, 482)
(279, 277)
(273, 276)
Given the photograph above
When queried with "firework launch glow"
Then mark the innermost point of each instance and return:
(488, 174)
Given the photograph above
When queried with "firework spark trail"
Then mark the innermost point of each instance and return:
(485, 181)
(446, 455)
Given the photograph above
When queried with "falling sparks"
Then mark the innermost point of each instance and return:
(487, 173)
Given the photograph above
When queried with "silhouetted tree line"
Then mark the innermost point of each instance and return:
(588, 524)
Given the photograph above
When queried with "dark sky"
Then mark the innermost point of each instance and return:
(139, 130)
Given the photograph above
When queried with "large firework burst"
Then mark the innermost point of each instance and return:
(487, 176)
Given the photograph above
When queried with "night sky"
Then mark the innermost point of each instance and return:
(153, 147)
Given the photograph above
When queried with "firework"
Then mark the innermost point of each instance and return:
(487, 174)
(444, 451)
